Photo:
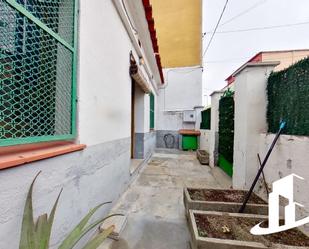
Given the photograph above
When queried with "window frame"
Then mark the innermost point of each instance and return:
(74, 50)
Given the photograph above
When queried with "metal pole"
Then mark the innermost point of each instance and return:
(263, 175)
(242, 209)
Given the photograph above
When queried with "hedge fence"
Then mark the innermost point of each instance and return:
(226, 127)
(288, 99)
(206, 119)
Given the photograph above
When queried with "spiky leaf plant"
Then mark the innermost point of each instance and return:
(36, 235)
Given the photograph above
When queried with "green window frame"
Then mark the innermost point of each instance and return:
(152, 111)
(38, 70)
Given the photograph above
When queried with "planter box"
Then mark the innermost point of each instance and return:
(204, 242)
(223, 206)
(203, 157)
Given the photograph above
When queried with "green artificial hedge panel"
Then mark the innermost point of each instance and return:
(288, 99)
(226, 127)
(206, 119)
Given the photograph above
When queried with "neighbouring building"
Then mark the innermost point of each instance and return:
(179, 29)
(285, 57)
(79, 83)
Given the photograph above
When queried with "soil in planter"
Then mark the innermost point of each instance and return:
(236, 196)
(238, 228)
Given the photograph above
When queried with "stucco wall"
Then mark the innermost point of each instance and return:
(98, 174)
(103, 72)
(184, 88)
(101, 172)
(183, 91)
(205, 140)
(250, 120)
(139, 114)
(214, 128)
(290, 155)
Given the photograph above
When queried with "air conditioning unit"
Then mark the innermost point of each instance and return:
(189, 116)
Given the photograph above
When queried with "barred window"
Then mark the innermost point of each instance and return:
(37, 70)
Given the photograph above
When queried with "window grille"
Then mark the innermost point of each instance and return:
(38, 41)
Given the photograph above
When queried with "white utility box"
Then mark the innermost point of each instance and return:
(189, 116)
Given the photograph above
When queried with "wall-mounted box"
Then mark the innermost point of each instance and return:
(189, 116)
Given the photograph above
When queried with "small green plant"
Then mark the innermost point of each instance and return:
(228, 93)
(36, 235)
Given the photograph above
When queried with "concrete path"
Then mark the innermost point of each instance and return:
(154, 202)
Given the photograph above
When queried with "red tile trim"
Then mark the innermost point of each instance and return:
(15, 156)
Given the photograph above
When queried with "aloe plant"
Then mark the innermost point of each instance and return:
(36, 235)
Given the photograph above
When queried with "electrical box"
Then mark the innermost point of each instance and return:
(189, 116)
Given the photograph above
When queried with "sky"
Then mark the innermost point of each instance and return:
(228, 51)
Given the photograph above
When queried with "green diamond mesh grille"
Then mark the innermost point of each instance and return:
(58, 15)
(35, 71)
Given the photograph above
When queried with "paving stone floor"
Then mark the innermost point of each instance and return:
(154, 202)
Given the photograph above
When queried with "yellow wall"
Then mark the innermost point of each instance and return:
(179, 27)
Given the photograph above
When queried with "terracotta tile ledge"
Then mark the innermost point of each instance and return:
(17, 155)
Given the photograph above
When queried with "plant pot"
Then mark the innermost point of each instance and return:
(232, 231)
(222, 200)
(203, 157)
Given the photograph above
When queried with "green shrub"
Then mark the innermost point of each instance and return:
(226, 127)
(288, 99)
(206, 119)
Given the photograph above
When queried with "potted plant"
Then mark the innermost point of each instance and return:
(36, 235)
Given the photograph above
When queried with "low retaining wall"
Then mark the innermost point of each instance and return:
(290, 155)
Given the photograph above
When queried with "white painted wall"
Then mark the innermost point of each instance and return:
(214, 128)
(250, 120)
(182, 91)
(104, 80)
(139, 113)
(100, 172)
(290, 155)
(147, 112)
(205, 140)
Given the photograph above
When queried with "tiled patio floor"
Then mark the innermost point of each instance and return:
(154, 202)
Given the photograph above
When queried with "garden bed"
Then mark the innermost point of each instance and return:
(232, 231)
(222, 200)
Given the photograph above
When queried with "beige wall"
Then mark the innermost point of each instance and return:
(286, 58)
(179, 27)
